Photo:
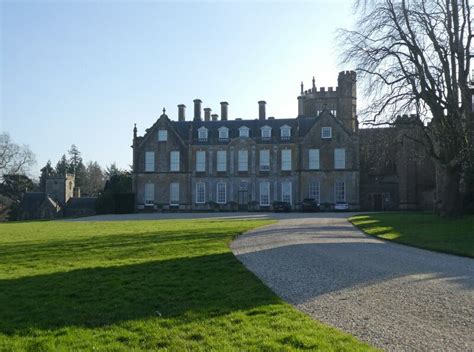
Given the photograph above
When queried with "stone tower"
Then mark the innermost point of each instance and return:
(60, 188)
(347, 102)
(340, 101)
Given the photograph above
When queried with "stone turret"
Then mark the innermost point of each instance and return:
(347, 104)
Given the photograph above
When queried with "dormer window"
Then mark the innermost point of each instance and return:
(326, 132)
(162, 135)
(244, 131)
(223, 133)
(266, 132)
(285, 132)
(202, 134)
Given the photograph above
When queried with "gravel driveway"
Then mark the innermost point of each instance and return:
(394, 297)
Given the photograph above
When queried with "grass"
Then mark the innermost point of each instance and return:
(143, 285)
(423, 230)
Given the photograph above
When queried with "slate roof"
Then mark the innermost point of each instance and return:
(304, 124)
(32, 200)
(82, 203)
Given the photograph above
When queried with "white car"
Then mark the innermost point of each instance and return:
(341, 206)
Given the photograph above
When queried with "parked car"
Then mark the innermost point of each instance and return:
(281, 207)
(341, 206)
(310, 205)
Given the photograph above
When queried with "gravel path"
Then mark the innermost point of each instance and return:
(394, 297)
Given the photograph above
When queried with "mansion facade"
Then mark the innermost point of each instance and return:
(216, 163)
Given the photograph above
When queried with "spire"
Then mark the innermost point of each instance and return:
(314, 83)
(135, 131)
(164, 111)
(301, 87)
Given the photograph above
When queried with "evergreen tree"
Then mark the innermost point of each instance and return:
(46, 172)
(76, 166)
(112, 170)
(75, 159)
(62, 167)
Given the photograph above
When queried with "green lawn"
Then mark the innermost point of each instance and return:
(143, 285)
(424, 230)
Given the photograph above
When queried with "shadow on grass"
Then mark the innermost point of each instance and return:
(201, 286)
(108, 247)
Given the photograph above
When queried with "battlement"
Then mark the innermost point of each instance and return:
(321, 91)
(348, 73)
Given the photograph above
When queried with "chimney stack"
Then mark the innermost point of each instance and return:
(224, 110)
(197, 109)
(261, 110)
(215, 117)
(207, 114)
(181, 112)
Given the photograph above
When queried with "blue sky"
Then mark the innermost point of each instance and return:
(84, 72)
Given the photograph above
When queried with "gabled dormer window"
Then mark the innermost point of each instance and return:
(244, 131)
(285, 132)
(162, 135)
(326, 132)
(223, 133)
(266, 132)
(202, 134)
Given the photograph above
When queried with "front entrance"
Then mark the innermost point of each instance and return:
(243, 199)
(377, 202)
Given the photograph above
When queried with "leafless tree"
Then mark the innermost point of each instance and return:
(14, 158)
(413, 57)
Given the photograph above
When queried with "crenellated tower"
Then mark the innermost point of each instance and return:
(341, 101)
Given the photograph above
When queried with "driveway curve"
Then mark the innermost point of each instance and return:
(395, 297)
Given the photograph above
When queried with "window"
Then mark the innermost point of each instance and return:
(149, 193)
(243, 160)
(266, 132)
(314, 159)
(340, 190)
(265, 193)
(149, 161)
(339, 158)
(223, 133)
(286, 159)
(174, 161)
(314, 192)
(285, 132)
(200, 161)
(162, 135)
(200, 192)
(286, 192)
(334, 112)
(221, 193)
(265, 160)
(244, 131)
(326, 132)
(174, 193)
(202, 134)
(221, 161)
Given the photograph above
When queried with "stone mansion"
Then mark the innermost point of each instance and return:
(209, 162)
(212, 162)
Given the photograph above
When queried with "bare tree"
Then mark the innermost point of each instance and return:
(413, 57)
(14, 159)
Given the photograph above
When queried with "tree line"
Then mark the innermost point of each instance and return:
(17, 163)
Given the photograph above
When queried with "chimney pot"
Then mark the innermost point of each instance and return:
(261, 110)
(207, 114)
(224, 110)
(197, 109)
(215, 117)
(181, 112)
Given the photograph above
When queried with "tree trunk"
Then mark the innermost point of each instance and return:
(449, 200)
